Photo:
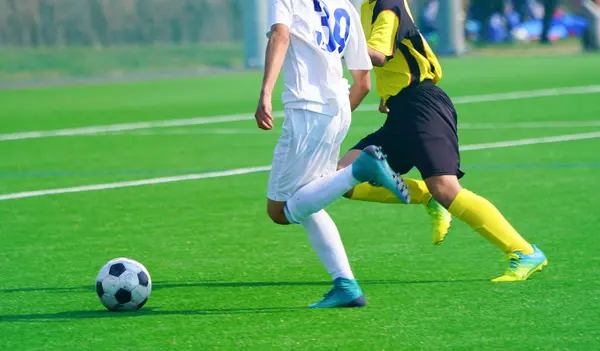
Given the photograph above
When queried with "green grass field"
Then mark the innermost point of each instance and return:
(225, 278)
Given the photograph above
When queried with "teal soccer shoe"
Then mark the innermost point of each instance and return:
(345, 293)
(372, 166)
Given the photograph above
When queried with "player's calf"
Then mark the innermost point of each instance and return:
(480, 214)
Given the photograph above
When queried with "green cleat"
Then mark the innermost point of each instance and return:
(441, 220)
(523, 266)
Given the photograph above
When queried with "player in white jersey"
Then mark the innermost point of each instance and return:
(309, 39)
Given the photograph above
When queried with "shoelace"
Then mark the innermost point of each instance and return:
(514, 260)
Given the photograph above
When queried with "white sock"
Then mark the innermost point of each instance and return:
(319, 194)
(326, 241)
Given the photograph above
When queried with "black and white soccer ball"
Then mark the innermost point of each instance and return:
(123, 285)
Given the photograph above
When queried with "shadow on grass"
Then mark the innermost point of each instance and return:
(73, 315)
(164, 285)
(66, 316)
(215, 284)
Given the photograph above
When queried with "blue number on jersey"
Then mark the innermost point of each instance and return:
(335, 39)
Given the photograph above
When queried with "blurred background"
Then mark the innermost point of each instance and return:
(42, 39)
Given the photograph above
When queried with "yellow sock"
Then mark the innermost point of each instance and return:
(485, 218)
(419, 194)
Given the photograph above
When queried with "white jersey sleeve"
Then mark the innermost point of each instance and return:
(280, 12)
(356, 54)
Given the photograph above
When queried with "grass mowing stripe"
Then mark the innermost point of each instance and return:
(590, 89)
(256, 131)
(240, 171)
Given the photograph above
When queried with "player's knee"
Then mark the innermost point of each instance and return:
(278, 218)
(443, 188)
(275, 212)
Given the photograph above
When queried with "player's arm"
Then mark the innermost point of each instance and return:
(279, 41)
(377, 58)
(277, 47)
(358, 63)
(276, 50)
(382, 42)
(361, 86)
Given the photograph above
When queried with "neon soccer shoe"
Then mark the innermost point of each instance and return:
(345, 293)
(441, 220)
(372, 166)
(523, 266)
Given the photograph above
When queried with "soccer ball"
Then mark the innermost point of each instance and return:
(123, 285)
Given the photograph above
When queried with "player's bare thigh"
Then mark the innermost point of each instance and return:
(346, 161)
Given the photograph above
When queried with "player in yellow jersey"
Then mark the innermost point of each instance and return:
(421, 131)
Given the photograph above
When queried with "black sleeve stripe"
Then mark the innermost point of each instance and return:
(413, 65)
(419, 45)
(388, 5)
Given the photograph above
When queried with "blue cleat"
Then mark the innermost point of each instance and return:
(345, 293)
(372, 166)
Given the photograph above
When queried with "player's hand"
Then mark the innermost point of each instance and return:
(382, 107)
(264, 113)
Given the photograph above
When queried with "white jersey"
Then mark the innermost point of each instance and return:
(322, 33)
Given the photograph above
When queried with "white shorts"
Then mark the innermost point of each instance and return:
(309, 148)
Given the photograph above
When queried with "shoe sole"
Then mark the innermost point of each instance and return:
(537, 269)
(441, 241)
(358, 302)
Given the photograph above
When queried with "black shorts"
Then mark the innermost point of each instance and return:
(420, 131)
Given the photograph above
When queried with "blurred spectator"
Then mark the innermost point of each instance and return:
(550, 7)
(482, 11)
(498, 21)
(521, 7)
(429, 16)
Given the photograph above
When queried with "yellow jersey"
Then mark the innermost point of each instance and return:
(390, 29)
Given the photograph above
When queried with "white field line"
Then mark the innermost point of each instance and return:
(530, 125)
(461, 126)
(240, 171)
(531, 141)
(79, 189)
(517, 95)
